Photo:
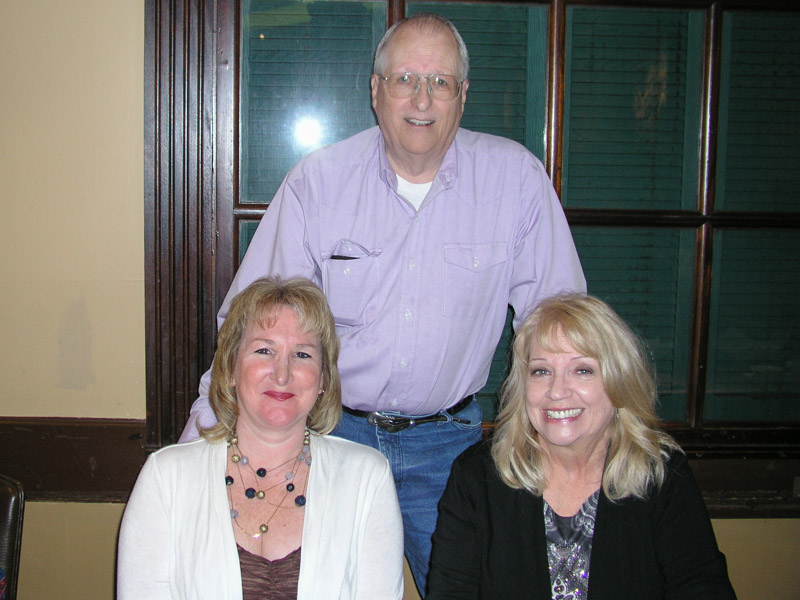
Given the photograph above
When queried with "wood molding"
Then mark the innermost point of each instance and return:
(73, 460)
(180, 211)
(98, 460)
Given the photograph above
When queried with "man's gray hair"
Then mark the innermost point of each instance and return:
(423, 21)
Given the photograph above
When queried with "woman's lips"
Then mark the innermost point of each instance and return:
(279, 395)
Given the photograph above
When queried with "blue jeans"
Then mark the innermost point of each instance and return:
(420, 458)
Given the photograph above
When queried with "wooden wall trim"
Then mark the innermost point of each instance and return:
(72, 460)
(98, 460)
(180, 211)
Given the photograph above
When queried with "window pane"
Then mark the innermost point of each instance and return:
(646, 276)
(305, 83)
(754, 339)
(632, 108)
(508, 67)
(247, 229)
(759, 125)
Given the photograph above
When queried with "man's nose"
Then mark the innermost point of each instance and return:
(422, 95)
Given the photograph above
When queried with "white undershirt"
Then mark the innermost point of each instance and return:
(413, 192)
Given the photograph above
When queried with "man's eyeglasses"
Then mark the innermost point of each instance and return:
(405, 85)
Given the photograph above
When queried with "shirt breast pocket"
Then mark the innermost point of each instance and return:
(350, 281)
(473, 273)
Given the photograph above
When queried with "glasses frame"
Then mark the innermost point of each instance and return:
(420, 77)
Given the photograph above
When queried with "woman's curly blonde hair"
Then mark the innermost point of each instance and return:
(638, 449)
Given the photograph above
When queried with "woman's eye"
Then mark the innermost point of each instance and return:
(263, 351)
(303, 355)
(584, 371)
(538, 372)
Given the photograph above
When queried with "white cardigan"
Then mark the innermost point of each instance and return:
(176, 540)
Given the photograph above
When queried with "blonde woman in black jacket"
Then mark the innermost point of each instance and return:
(580, 494)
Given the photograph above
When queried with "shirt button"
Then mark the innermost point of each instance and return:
(411, 265)
(394, 401)
(407, 314)
(403, 362)
(346, 271)
(475, 262)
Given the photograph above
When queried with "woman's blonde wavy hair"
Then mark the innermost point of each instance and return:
(260, 303)
(637, 450)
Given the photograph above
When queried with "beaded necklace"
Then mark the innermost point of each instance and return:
(255, 492)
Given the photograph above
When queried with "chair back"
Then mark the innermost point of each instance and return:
(12, 507)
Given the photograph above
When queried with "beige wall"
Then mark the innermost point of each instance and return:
(71, 241)
(71, 231)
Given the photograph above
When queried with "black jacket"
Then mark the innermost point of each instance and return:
(490, 542)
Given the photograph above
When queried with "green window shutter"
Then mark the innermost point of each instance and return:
(302, 60)
(632, 108)
(754, 337)
(247, 229)
(508, 67)
(645, 274)
(759, 124)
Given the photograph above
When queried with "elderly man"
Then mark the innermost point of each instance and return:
(420, 234)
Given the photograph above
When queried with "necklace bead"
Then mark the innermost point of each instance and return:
(239, 459)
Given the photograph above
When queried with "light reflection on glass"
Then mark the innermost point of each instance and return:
(308, 133)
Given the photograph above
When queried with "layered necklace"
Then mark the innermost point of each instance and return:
(256, 492)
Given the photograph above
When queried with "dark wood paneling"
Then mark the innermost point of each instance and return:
(77, 460)
(180, 226)
(748, 488)
(98, 460)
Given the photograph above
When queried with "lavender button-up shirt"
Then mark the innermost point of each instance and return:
(419, 297)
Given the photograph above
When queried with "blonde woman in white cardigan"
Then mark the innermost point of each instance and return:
(265, 504)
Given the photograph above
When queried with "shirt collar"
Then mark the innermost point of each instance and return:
(448, 170)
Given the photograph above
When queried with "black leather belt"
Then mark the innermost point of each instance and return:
(394, 423)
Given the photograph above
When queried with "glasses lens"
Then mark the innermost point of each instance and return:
(402, 85)
(405, 85)
(443, 87)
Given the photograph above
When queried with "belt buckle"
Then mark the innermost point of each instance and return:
(389, 423)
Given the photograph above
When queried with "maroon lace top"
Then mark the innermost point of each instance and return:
(264, 579)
